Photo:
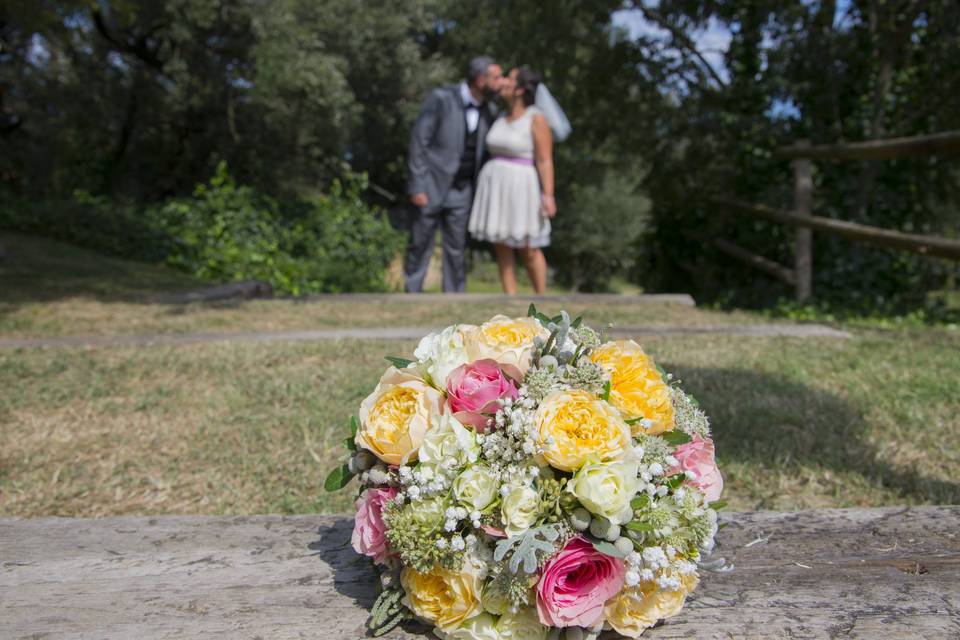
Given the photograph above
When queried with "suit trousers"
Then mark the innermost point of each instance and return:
(452, 217)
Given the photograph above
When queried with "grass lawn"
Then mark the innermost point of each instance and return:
(253, 428)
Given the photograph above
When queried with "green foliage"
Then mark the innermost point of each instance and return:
(596, 236)
(333, 242)
(314, 90)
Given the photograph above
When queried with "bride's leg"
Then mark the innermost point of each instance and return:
(505, 262)
(536, 264)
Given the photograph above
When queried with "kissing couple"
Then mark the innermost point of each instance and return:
(474, 169)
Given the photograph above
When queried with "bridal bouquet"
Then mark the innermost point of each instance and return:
(527, 479)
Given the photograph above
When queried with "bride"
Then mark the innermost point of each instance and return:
(514, 199)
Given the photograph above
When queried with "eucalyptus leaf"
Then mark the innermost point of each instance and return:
(607, 549)
(338, 478)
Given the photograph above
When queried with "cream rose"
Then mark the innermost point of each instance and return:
(449, 440)
(606, 489)
(443, 351)
(509, 341)
(636, 609)
(519, 510)
(522, 625)
(443, 597)
(396, 417)
(476, 488)
(575, 426)
(479, 627)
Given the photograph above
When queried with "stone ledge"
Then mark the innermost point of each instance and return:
(841, 573)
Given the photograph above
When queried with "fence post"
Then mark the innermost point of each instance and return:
(803, 243)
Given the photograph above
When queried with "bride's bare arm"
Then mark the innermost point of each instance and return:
(543, 150)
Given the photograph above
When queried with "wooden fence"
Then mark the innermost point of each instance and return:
(800, 216)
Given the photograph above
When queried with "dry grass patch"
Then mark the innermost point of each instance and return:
(84, 316)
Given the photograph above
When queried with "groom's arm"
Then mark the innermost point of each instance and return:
(420, 137)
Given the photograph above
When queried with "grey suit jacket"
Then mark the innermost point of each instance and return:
(436, 143)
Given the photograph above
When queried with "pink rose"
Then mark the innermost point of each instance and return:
(576, 583)
(369, 532)
(477, 388)
(698, 456)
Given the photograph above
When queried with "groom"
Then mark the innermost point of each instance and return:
(446, 151)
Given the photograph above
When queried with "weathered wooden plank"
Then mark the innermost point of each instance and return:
(925, 245)
(947, 142)
(857, 573)
(770, 267)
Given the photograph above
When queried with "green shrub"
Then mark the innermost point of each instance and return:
(595, 236)
(331, 243)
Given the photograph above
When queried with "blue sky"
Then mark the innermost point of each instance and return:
(713, 41)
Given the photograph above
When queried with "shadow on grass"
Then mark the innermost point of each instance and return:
(777, 423)
(36, 269)
(354, 575)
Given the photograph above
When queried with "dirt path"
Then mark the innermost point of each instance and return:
(405, 333)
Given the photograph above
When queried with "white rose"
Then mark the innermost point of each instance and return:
(442, 352)
(519, 510)
(606, 488)
(449, 440)
(522, 625)
(476, 487)
(479, 627)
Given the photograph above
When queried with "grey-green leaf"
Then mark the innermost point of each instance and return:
(608, 549)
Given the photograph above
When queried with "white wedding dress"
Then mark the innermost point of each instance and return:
(506, 208)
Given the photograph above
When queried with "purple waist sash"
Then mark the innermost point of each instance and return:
(527, 162)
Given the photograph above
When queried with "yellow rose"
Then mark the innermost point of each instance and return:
(443, 597)
(576, 425)
(636, 387)
(509, 341)
(395, 418)
(638, 608)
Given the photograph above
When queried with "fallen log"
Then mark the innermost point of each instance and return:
(245, 290)
(837, 573)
